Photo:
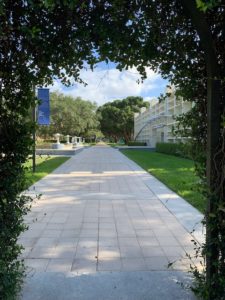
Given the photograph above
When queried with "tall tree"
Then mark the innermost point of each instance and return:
(73, 116)
(117, 117)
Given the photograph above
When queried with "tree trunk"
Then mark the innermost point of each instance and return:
(213, 138)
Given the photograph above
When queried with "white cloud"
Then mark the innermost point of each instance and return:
(109, 84)
(149, 98)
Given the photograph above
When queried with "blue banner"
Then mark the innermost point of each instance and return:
(43, 107)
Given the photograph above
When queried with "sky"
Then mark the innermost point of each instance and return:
(106, 83)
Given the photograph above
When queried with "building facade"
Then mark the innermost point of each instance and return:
(155, 124)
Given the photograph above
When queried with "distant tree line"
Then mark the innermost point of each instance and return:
(78, 117)
(71, 116)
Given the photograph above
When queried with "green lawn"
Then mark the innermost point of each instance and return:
(44, 166)
(175, 172)
(116, 145)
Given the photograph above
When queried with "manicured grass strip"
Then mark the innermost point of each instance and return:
(44, 166)
(175, 172)
(116, 145)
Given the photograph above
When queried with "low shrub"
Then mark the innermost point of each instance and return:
(50, 141)
(44, 146)
(136, 144)
(176, 149)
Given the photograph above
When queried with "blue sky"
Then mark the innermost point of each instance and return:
(106, 83)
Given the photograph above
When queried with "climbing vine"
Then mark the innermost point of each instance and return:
(32, 50)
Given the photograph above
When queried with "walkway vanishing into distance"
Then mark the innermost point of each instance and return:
(105, 229)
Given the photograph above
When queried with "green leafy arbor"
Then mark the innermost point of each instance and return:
(43, 39)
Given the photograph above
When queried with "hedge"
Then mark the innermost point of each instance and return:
(136, 144)
(176, 149)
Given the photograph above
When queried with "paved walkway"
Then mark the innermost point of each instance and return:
(104, 229)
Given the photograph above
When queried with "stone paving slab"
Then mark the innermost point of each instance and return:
(100, 212)
(109, 286)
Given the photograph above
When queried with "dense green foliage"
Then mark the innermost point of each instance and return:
(177, 173)
(44, 166)
(117, 117)
(177, 149)
(73, 116)
(14, 148)
(39, 40)
(207, 4)
(136, 144)
(43, 39)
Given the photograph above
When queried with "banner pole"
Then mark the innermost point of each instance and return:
(34, 136)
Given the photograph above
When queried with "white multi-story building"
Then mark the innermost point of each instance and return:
(154, 124)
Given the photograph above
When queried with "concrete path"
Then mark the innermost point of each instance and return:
(105, 229)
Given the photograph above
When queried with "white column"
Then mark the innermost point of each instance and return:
(57, 135)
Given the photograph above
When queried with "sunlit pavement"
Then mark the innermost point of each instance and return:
(105, 229)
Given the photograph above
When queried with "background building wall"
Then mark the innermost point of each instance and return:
(154, 124)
